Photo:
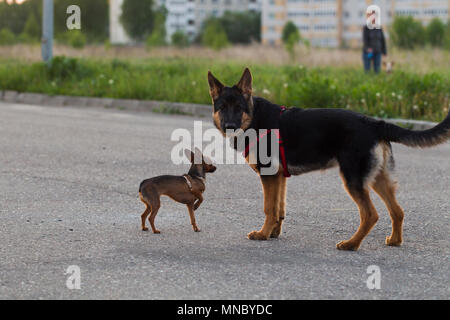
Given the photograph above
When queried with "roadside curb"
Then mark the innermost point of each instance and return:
(199, 110)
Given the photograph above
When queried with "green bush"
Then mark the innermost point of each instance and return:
(436, 32)
(214, 35)
(7, 37)
(180, 39)
(62, 68)
(290, 37)
(401, 94)
(25, 38)
(76, 39)
(407, 33)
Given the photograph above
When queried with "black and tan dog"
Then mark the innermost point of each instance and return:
(317, 139)
(186, 189)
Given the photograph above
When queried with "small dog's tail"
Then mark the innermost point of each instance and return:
(417, 139)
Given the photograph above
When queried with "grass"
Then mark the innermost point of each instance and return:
(420, 61)
(404, 94)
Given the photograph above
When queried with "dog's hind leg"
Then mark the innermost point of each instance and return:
(145, 214)
(271, 188)
(281, 209)
(385, 188)
(156, 204)
(367, 212)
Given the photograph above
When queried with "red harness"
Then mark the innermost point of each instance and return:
(280, 143)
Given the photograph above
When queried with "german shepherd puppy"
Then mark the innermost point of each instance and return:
(317, 139)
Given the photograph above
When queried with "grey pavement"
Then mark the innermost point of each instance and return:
(68, 196)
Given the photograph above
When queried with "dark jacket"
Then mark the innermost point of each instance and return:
(374, 39)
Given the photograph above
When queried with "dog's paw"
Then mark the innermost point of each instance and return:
(347, 245)
(196, 229)
(393, 242)
(256, 235)
(156, 231)
(144, 229)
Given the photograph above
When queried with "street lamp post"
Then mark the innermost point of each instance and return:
(47, 30)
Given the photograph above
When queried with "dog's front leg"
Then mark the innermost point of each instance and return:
(281, 208)
(271, 188)
(199, 201)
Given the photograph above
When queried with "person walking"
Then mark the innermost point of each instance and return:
(374, 45)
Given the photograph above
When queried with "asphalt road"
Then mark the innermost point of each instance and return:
(68, 196)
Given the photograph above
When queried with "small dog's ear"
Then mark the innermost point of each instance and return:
(198, 156)
(245, 84)
(215, 86)
(384, 63)
(188, 153)
(392, 63)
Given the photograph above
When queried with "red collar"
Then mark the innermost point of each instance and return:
(280, 142)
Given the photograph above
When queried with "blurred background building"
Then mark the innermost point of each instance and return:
(332, 23)
(324, 23)
(189, 15)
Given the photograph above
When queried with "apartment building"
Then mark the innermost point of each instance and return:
(185, 15)
(189, 15)
(332, 23)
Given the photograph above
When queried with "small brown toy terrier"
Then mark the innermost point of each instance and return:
(186, 189)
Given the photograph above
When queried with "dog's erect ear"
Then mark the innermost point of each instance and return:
(198, 156)
(189, 154)
(245, 84)
(215, 86)
(392, 63)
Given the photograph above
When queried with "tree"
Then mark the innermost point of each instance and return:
(158, 36)
(14, 16)
(242, 27)
(32, 29)
(436, 32)
(180, 39)
(214, 35)
(407, 33)
(447, 36)
(138, 18)
(290, 37)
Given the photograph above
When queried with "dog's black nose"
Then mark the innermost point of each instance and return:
(230, 126)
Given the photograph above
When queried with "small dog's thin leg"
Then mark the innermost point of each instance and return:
(144, 217)
(199, 201)
(192, 217)
(155, 207)
(146, 212)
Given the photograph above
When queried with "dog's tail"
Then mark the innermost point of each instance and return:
(417, 139)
